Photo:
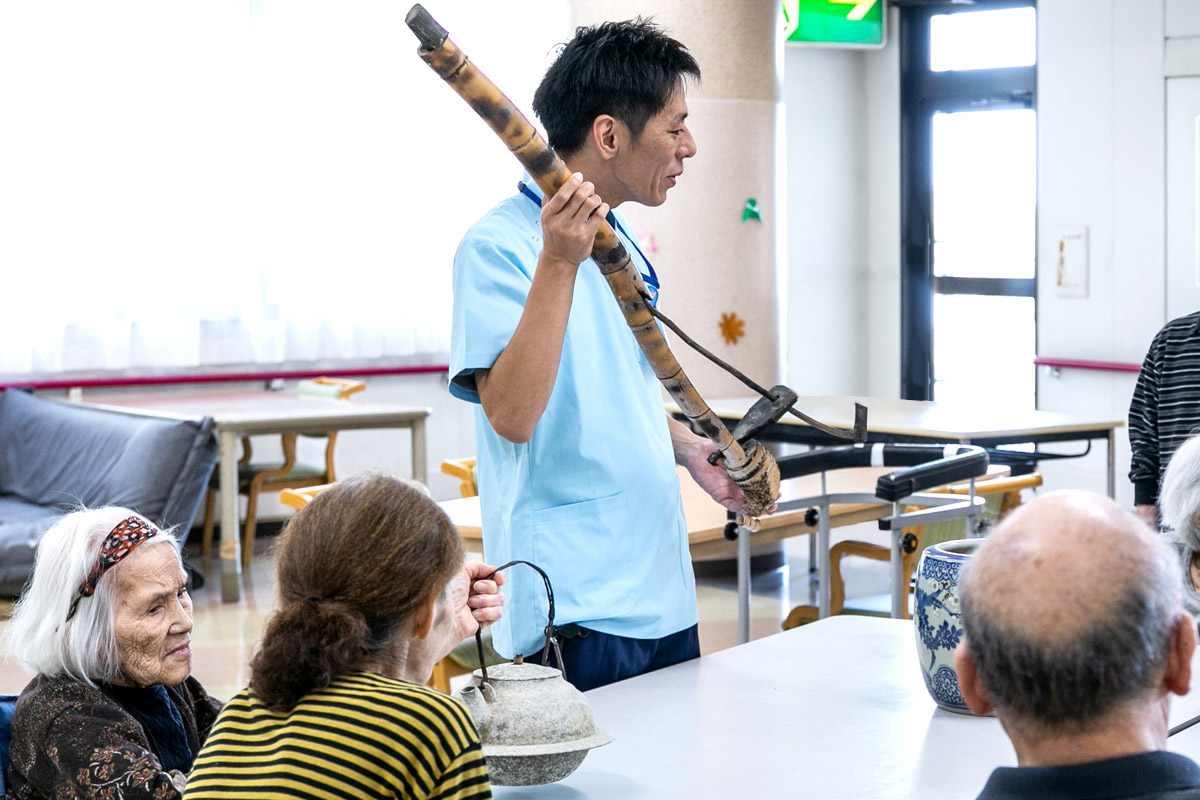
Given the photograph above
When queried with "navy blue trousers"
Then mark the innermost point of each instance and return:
(596, 659)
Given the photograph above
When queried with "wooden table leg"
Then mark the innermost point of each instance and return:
(230, 551)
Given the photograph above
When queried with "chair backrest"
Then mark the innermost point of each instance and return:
(329, 387)
(8, 703)
(467, 473)
(1001, 496)
(299, 498)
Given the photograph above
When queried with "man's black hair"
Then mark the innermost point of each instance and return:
(629, 70)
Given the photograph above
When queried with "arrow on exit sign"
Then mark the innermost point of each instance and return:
(861, 7)
(855, 23)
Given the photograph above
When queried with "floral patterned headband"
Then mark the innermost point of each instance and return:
(120, 542)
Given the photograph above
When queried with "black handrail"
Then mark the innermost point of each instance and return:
(928, 465)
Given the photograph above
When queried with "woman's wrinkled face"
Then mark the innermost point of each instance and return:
(153, 620)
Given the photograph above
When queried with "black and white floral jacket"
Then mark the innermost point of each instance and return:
(71, 740)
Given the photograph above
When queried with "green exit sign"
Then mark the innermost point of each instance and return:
(850, 23)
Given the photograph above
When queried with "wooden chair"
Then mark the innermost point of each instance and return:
(464, 470)
(1003, 495)
(460, 662)
(299, 497)
(253, 479)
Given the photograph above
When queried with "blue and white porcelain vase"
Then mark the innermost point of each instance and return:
(938, 619)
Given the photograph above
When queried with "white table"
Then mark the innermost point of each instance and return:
(248, 413)
(835, 709)
(891, 420)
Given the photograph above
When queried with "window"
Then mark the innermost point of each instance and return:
(242, 181)
(983, 39)
(968, 184)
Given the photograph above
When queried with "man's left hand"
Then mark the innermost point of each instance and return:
(692, 452)
(715, 481)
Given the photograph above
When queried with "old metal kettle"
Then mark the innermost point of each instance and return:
(535, 727)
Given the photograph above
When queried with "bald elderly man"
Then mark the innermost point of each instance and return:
(1076, 637)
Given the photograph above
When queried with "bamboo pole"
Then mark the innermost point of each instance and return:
(753, 468)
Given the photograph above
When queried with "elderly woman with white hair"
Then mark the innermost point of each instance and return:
(105, 624)
(1179, 502)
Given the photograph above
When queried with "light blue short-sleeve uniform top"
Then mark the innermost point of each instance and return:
(592, 498)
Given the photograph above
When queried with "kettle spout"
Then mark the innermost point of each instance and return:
(476, 699)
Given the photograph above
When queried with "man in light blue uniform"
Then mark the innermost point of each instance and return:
(576, 457)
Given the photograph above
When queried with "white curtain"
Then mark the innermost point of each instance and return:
(240, 181)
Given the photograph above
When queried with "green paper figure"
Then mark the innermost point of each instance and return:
(751, 211)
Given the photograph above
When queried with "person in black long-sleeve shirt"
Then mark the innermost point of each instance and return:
(1165, 409)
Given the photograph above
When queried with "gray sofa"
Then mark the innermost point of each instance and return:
(56, 457)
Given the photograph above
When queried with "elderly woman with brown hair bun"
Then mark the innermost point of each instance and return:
(105, 625)
(372, 594)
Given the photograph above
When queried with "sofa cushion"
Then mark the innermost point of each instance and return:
(21, 527)
(15, 511)
(64, 455)
(57, 457)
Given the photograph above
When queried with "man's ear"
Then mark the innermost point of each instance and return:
(422, 620)
(1177, 677)
(607, 136)
(969, 682)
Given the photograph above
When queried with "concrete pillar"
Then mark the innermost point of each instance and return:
(713, 266)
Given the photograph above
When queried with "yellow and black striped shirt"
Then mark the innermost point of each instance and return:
(366, 736)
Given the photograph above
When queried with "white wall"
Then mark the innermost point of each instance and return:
(882, 224)
(826, 190)
(1101, 164)
(843, 219)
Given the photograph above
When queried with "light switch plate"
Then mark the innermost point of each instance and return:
(1071, 275)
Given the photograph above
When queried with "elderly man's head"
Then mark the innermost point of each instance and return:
(108, 603)
(1072, 618)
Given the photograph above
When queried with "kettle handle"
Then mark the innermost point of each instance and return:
(551, 632)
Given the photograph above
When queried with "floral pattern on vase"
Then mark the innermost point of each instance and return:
(938, 619)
